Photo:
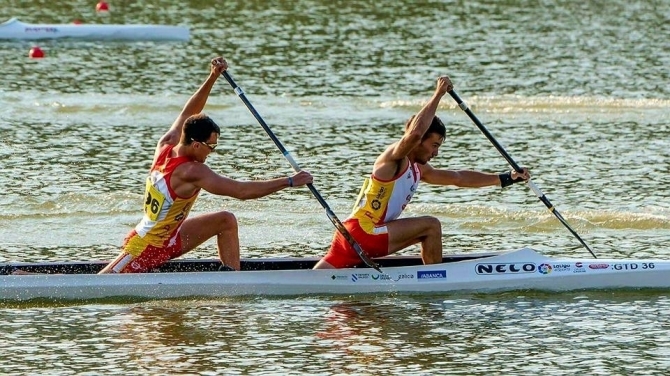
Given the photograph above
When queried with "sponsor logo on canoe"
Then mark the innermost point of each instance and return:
(561, 267)
(356, 276)
(544, 268)
(340, 277)
(40, 29)
(381, 277)
(579, 268)
(599, 266)
(505, 268)
(404, 276)
(431, 274)
(557, 268)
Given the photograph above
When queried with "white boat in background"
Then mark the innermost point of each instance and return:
(15, 29)
(523, 269)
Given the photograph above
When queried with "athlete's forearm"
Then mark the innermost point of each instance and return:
(460, 178)
(476, 179)
(197, 102)
(257, 189)
(425, 116)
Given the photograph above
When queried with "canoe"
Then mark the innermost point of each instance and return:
(15, 29)
(523, 269)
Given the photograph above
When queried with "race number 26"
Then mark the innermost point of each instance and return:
(154, 201)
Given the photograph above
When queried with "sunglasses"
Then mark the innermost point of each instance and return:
(210, 146)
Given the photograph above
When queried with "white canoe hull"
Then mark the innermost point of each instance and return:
(524, 269)
(17, 30)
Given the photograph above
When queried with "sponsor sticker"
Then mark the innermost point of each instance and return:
(579, 268)
(561, 267)
(381, 277)
(505, 268)
(431, 274)
(544, 268)
(404, 276)
(356, 276)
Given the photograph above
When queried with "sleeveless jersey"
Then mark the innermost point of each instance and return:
(381, 201)
(164, 211)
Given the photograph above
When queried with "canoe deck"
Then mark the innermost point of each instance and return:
(212, 265)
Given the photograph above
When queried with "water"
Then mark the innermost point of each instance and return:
(577, 91)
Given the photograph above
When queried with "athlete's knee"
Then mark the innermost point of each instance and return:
(226, 221)
(433, 225)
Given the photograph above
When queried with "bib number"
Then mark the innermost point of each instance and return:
(154, 201)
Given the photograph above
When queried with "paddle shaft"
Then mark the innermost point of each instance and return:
(516, 168)
(331, 215)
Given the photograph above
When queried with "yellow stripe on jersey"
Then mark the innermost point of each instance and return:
(382, 201)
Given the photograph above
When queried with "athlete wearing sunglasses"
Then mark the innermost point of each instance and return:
(210, 146)
(178, 174)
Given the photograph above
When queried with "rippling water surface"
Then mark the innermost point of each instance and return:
(584, 333)
(577, 91)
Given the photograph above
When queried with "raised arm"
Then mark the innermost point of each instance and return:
(195, 104)
(392, 160)
(420, 122)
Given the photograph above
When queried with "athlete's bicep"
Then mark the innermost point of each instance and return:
(215, 183)
(436, 176)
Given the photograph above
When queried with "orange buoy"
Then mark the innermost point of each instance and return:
(77, 22)
(36, 53)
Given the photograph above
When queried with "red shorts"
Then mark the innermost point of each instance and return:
(343, 255)
(150, 258)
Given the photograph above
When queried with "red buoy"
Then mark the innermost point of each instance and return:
(102, 7)
(36, 53)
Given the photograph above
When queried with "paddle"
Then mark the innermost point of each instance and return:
(333, 218)
(516, 168)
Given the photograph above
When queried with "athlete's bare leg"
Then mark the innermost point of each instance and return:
(408, 231)
(425, 230)
(196, 230)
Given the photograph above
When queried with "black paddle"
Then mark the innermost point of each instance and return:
(516, 168)
(338, 225)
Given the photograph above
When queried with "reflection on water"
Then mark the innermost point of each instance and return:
(460, 334)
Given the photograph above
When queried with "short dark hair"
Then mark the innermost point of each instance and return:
(436, 126)
(199, 127)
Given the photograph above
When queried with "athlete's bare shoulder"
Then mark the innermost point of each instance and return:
(387, 165)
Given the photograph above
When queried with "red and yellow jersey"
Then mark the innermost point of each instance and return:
(164, 210)
(381, 201)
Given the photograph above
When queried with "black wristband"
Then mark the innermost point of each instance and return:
(506, 179)
(290, 181)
